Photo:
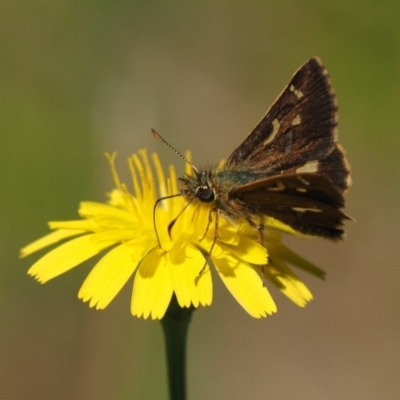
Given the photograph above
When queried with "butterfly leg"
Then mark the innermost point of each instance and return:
(260, 229)
(208, 226)
(215, 238)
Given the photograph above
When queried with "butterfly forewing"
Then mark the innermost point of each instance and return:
(298, 128)
(335, 166)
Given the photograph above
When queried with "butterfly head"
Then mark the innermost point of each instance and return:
(199, 186)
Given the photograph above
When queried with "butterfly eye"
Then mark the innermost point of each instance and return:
(206, 195)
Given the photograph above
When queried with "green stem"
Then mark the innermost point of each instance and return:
(175, 326)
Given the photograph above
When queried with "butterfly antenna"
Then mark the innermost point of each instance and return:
(158, 136)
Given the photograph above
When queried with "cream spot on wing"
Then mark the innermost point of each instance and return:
(279, 186)
(304, 209)
(296, 120)
(298, 93)
(309, 166)
(301, 190)
(275, 129)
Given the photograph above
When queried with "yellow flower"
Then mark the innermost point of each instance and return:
(177, 261)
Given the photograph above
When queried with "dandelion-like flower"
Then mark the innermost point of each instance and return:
(174, 260)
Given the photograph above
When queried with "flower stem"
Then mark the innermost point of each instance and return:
(175, 326)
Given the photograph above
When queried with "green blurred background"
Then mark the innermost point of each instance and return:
(79, 78)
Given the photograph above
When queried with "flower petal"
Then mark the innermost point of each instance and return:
(248, 250)
(105, 215)
(280, 226)
(48, 240)
(114, 235)
(296, 260)
(246, 286)
(112, 272)
(287, 282)
(160, 175)
(77, 225)
(192, 284)
(108, 276)
(65, 257)
(152, 288)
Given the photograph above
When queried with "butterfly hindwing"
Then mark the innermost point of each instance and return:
(308, 203)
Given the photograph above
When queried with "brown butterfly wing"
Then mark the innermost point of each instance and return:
(308, 203)
(298, 130)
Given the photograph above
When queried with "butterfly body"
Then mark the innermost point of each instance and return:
(290, 167)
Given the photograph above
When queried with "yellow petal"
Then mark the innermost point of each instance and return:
(135, 181)
(188, 167)
(173, 180)
(148, 173)
(114, 235)
(296, 260)
(105, 214)
(111, 161)
(108, 276)
(65, 257)
(48, 240)
(152, 288)
(287, 282)
(162, 186)
(81, 225)
(280, 226)
(117, 198)
(247, 250)
(246, 286)
(192, 284)
(146, 180)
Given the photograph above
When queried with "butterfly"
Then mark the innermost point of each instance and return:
(290, 167)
